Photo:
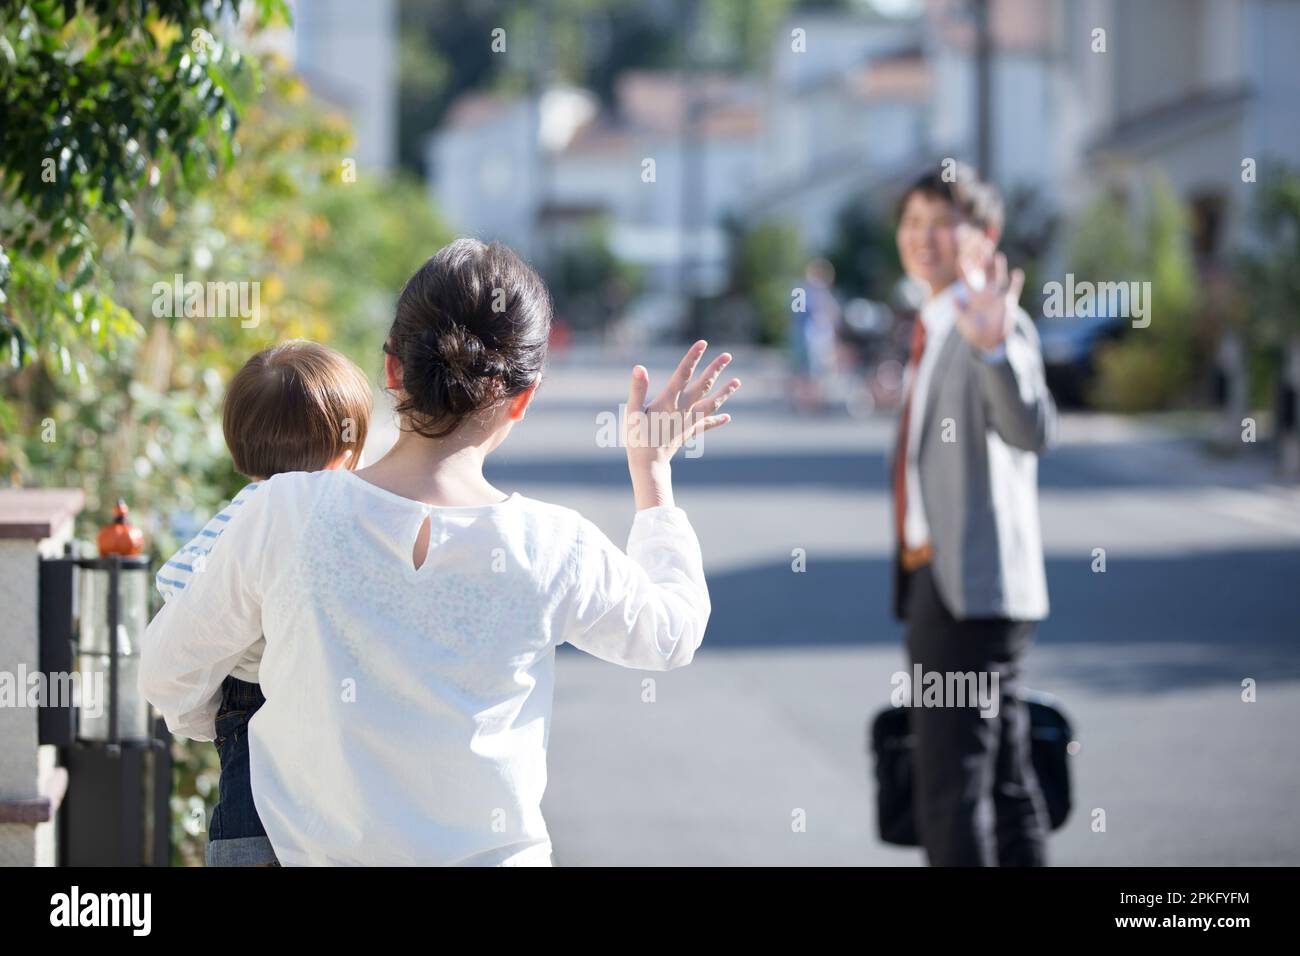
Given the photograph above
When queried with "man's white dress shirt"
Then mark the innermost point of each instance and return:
(938, 315)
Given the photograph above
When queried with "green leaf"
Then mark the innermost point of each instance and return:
(69, 255)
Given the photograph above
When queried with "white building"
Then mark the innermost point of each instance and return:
(1030, 142)
(1191, 89)
(527, 170)
(347, 53)
(850, 104)
(677, 155)
(856, 103)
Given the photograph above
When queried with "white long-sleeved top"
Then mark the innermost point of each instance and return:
(408, 710)
(175, 575)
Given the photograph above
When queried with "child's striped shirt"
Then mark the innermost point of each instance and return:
(174, 576)
(176, 573)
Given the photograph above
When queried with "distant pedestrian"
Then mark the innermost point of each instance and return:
(813, 338)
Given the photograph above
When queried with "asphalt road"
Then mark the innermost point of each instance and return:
(714, 763)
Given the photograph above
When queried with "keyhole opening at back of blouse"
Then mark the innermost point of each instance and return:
(420, 551)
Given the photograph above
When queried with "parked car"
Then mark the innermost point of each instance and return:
(1070, 350)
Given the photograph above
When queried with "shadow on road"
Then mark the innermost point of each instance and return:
(865, 472)
(1075, 467)
(1161, 623)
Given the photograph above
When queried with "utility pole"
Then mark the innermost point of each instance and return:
(539, 80)
(692, 170)
(983, 90)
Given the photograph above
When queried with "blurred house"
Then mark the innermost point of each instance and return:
(854, 103)
(703, 134)
(539, 172)
(348, 55)
(679, 155)
(1030, 140)
(488, 163)
(850, 110)
(1189, 88)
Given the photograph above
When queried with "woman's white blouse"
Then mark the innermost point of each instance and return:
(407, 710)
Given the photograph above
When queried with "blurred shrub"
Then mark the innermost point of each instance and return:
(1268, 279)
(863, 251)
(101, 105)
(138, 414)
(1137, 375)
(196, 770)
(590, 285)
(142, 420)
(1153, 367)
(767, 261)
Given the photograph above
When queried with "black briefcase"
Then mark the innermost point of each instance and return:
(891, 744)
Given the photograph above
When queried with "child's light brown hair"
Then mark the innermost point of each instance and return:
(295, 407)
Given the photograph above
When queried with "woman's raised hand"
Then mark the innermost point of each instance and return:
(676, 418)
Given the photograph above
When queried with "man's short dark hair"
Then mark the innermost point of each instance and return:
(959, 184)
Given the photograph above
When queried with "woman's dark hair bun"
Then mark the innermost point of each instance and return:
(471, 328)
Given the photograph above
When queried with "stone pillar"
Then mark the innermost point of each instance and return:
(34, 523)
